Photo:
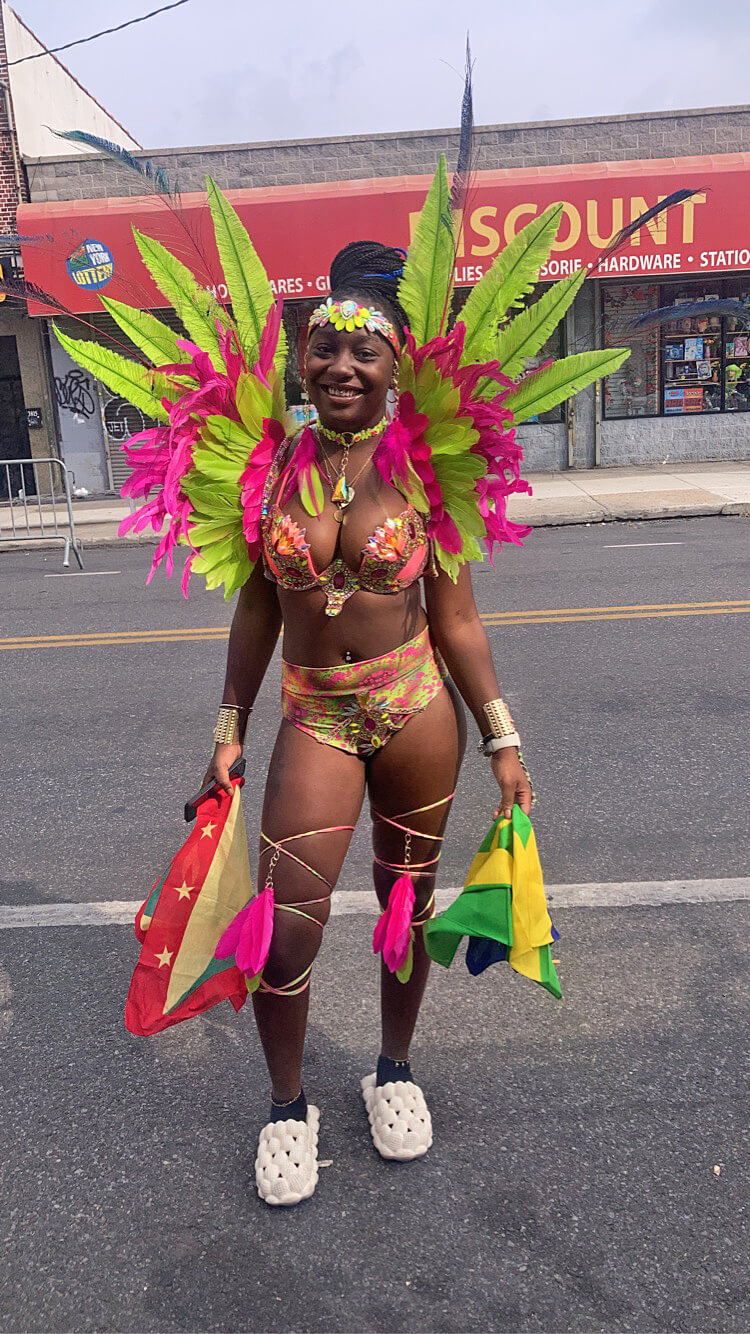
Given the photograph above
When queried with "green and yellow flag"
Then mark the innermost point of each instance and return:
(502, 908)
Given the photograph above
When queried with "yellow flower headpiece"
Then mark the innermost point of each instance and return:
(349, 315)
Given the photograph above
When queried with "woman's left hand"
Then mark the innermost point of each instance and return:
(512, 781)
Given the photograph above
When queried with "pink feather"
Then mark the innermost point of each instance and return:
(269, 341)
(253, 480)
(392, 934)
(304, 459)
(248, 936)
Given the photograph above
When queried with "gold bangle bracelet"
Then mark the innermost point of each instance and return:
(498, 717)
(228, 729)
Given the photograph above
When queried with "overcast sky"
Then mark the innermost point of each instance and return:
(236, 71)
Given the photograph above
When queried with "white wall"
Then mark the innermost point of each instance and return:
(45, 94)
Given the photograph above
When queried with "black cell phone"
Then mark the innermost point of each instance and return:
(191, 807)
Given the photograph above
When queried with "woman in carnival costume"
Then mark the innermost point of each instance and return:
(354, 538)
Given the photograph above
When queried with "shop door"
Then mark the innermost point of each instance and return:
(14, 433)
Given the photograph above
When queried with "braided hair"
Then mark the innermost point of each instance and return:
(371, 272)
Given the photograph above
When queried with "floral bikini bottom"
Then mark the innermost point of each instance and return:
(358, 706)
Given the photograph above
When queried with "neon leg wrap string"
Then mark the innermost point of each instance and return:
(394, 933)
(248, 936)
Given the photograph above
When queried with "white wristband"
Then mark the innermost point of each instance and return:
(496, 743)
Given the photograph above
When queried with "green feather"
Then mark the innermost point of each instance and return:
(515, 343)
(311, 493)
(156, 340)
(226, 562)
(247, 282)
(196, 307)
(448, 562)
(510, 278)
(404, 973)
(203, 531)
(546, 388)
(138, 384)
(254, 404)
(453, 436)
(427, 283)
(230, 439)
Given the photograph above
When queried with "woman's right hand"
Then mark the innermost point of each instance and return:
(223, 758)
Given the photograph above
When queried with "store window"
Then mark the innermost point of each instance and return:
(695, 364)
(737, 355)
(633, 390)
(296, 317)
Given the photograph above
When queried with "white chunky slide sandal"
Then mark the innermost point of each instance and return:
(400, 1122)
(286, 1166)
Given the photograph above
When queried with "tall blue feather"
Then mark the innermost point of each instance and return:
(156, 176)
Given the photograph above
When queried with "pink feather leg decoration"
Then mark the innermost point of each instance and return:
(248, 936)
(392, 935)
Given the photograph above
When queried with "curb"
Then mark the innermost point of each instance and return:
(633, 515)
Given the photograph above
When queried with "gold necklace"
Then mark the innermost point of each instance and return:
(342, 492)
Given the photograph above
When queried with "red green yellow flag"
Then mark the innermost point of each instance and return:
(180, 923)
(502, 909)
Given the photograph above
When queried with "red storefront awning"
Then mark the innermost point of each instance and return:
(87, 247)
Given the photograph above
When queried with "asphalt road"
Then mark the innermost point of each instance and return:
(635, 729)
(572, 1184)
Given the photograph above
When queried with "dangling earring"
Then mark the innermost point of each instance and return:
(394, 390)
(305, 396)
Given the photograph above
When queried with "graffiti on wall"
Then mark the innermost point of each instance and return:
(75, 393)
(122, 420)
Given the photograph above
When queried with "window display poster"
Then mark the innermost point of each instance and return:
(683, 400)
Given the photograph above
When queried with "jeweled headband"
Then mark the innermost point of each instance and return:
(349, 315)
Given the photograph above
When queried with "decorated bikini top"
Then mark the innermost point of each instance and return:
(217, 399)
(395, 555)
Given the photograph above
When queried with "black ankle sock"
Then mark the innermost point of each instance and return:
(389, 1072)
(291, 1111)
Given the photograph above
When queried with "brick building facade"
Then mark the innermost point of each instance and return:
(35, 93)
(13, 187)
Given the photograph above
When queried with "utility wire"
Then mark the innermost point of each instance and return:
(104, 33)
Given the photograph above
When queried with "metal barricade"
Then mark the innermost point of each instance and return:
(37, 504)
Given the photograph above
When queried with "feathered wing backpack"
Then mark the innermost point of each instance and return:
(217, 395)
(462, 390)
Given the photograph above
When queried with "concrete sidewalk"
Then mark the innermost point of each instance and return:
(597, 495)
(664, 491)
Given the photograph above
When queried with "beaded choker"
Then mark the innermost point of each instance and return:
(345, 439)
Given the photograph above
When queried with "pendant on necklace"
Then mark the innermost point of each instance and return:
(343, 494)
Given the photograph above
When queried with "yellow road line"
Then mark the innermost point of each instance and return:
(549, 616)
(616, 616)
(630, 606)
(117, 636)
(112, 641)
